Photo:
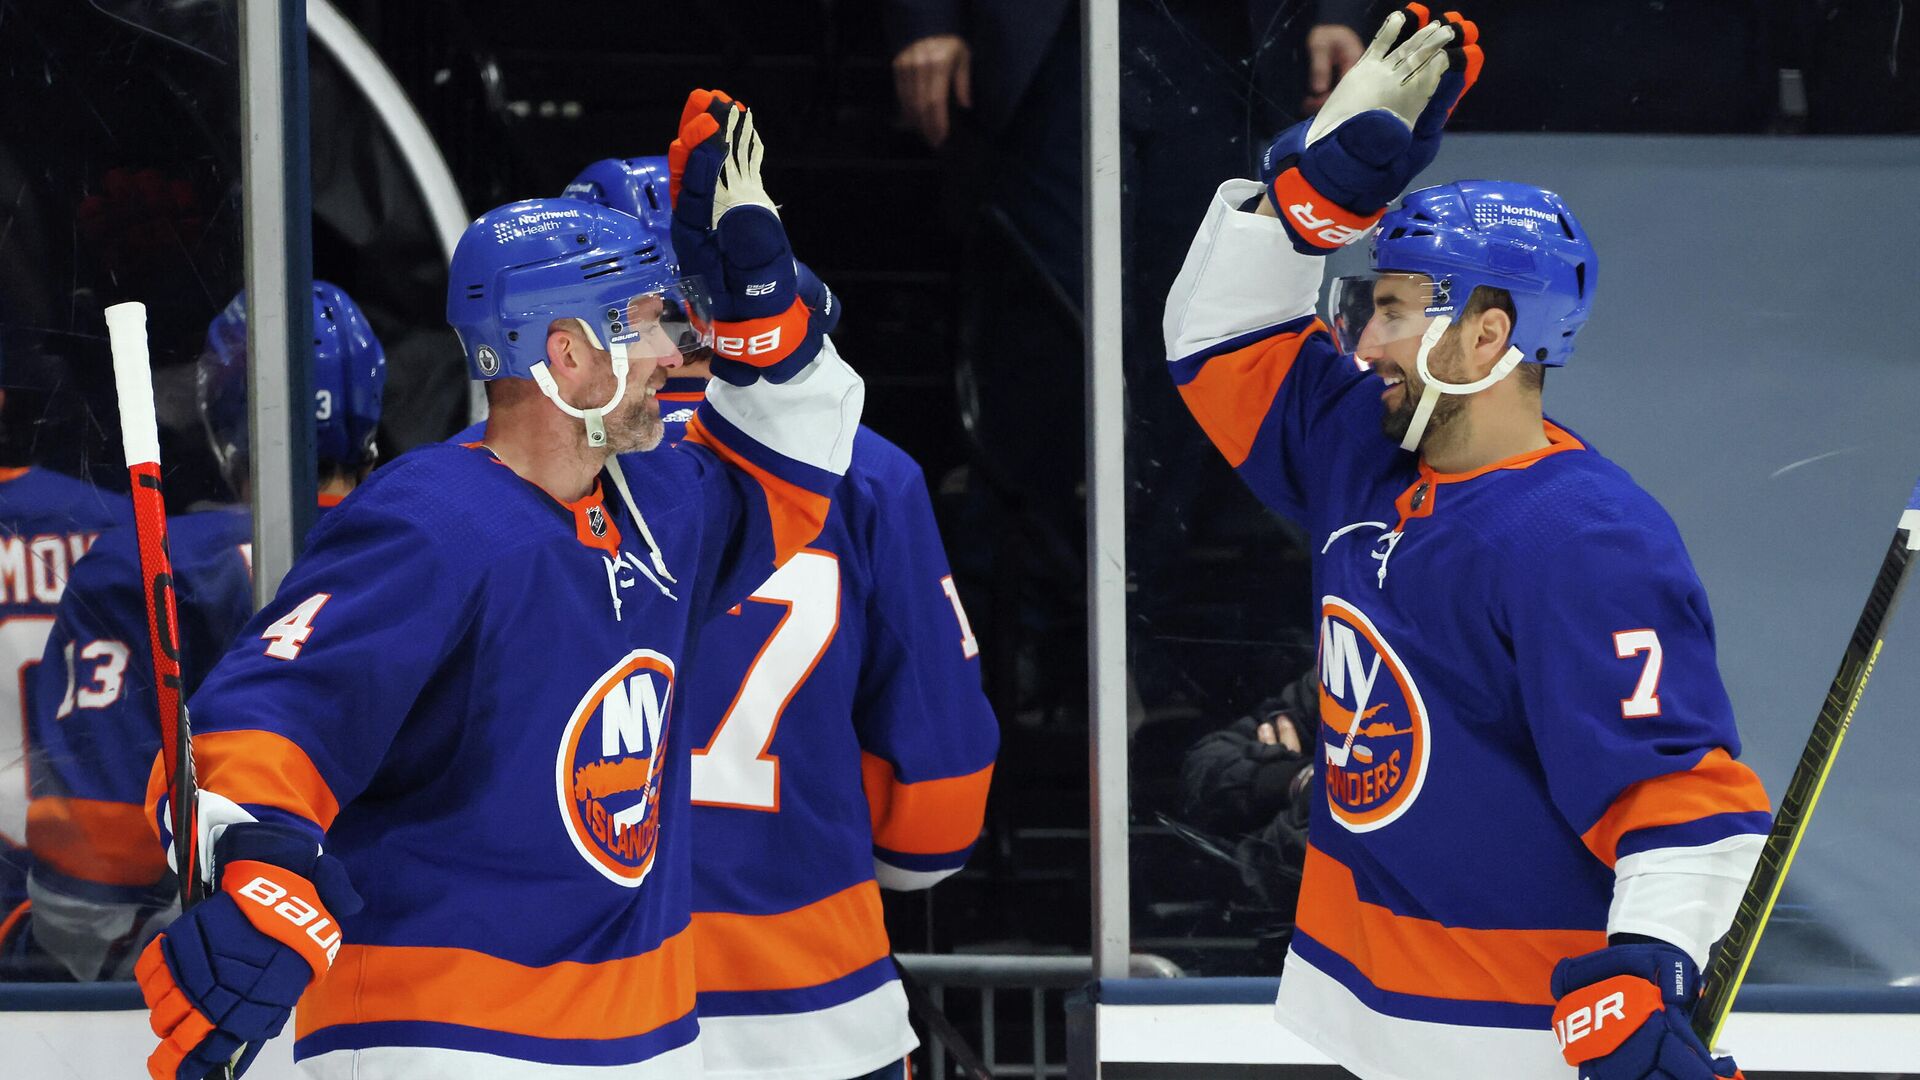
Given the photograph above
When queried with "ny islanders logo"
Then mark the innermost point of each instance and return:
(1372, 722)
(613, 757)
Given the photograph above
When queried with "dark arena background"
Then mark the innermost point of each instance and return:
(999, 194)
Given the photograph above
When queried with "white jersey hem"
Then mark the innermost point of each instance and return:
(846, 1040)
(1327, 1016)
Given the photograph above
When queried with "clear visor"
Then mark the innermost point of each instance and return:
(1373, 310)
(673, 320)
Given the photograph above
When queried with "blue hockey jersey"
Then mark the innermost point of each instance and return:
(468, 689)
(48, 520)
(837, 714)
(1526, 745)
(99, 882)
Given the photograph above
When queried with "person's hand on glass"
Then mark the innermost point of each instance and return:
(930, 73)
(1331, 50)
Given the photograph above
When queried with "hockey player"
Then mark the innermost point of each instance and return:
(837, 712)
(1533, 823)
(48, 520)
(100, 886)
(460, 704)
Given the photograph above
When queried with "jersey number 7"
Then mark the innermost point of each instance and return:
(737, 767)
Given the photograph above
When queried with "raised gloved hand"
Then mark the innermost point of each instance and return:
(727, 230)
(228, 973)
(1332, 177)
(1625, 1012)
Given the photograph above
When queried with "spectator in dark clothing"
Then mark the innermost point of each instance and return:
(1251, 781)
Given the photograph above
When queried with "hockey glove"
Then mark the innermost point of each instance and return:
(726, 229)
(228, 973)
(1625, 1012)
(1332, 177)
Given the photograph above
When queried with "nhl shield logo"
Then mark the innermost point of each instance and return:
(1373, 722)
(597, 520)
(613, 757)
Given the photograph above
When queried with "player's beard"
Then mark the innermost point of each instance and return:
(634, 423)
(1444, 361)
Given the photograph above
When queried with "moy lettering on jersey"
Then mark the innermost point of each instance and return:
(1373, 722)
(613, 757)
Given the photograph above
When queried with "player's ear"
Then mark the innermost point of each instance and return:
(562, 346)
(1492, 329)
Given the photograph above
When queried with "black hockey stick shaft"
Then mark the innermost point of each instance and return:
(1731, 956)
(945, 1037)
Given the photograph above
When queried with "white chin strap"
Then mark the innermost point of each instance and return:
(1430, 396)
(595, 418)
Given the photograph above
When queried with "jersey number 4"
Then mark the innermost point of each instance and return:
(288, 634)
(1645, 701)
(737, 768)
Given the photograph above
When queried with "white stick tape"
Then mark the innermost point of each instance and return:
(133, 380)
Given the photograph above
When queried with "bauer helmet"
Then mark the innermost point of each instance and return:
(522, 266)
(1503, 235)
(349, 376)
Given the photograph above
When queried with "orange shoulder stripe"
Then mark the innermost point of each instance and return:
(798, 514)
(1232, 394)
(569, 1000)
(1717, 784)
(927, 817)
(252, 766)
(95, 840)
(1421, 956)
(808, 946)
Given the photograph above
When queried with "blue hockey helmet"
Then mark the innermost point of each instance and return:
(520, 267)
(349, 377)
(1504, 235)
(636, 186)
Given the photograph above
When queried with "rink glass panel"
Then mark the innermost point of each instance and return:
(1744, 363)
(119, 180)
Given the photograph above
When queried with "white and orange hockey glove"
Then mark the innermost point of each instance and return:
(1330, 178)
(727, 231)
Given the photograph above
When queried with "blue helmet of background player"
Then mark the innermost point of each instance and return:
(349, 376)
(1503, 235)
(638, 186)
(522, 266)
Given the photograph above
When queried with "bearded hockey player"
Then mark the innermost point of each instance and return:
(443, 786)
(837, 712)
(1530, 826)
(100, 888)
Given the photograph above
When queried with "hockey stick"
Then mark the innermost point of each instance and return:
(945, 1036)
(1728, 964)
(140, 439)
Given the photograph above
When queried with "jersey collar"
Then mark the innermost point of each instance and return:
(593, 523)
(1421, 495)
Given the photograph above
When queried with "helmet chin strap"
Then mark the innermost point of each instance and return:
(1430, 396)
(595, 419)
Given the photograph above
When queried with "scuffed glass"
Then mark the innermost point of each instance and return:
(1710, 371)
(119, 180)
